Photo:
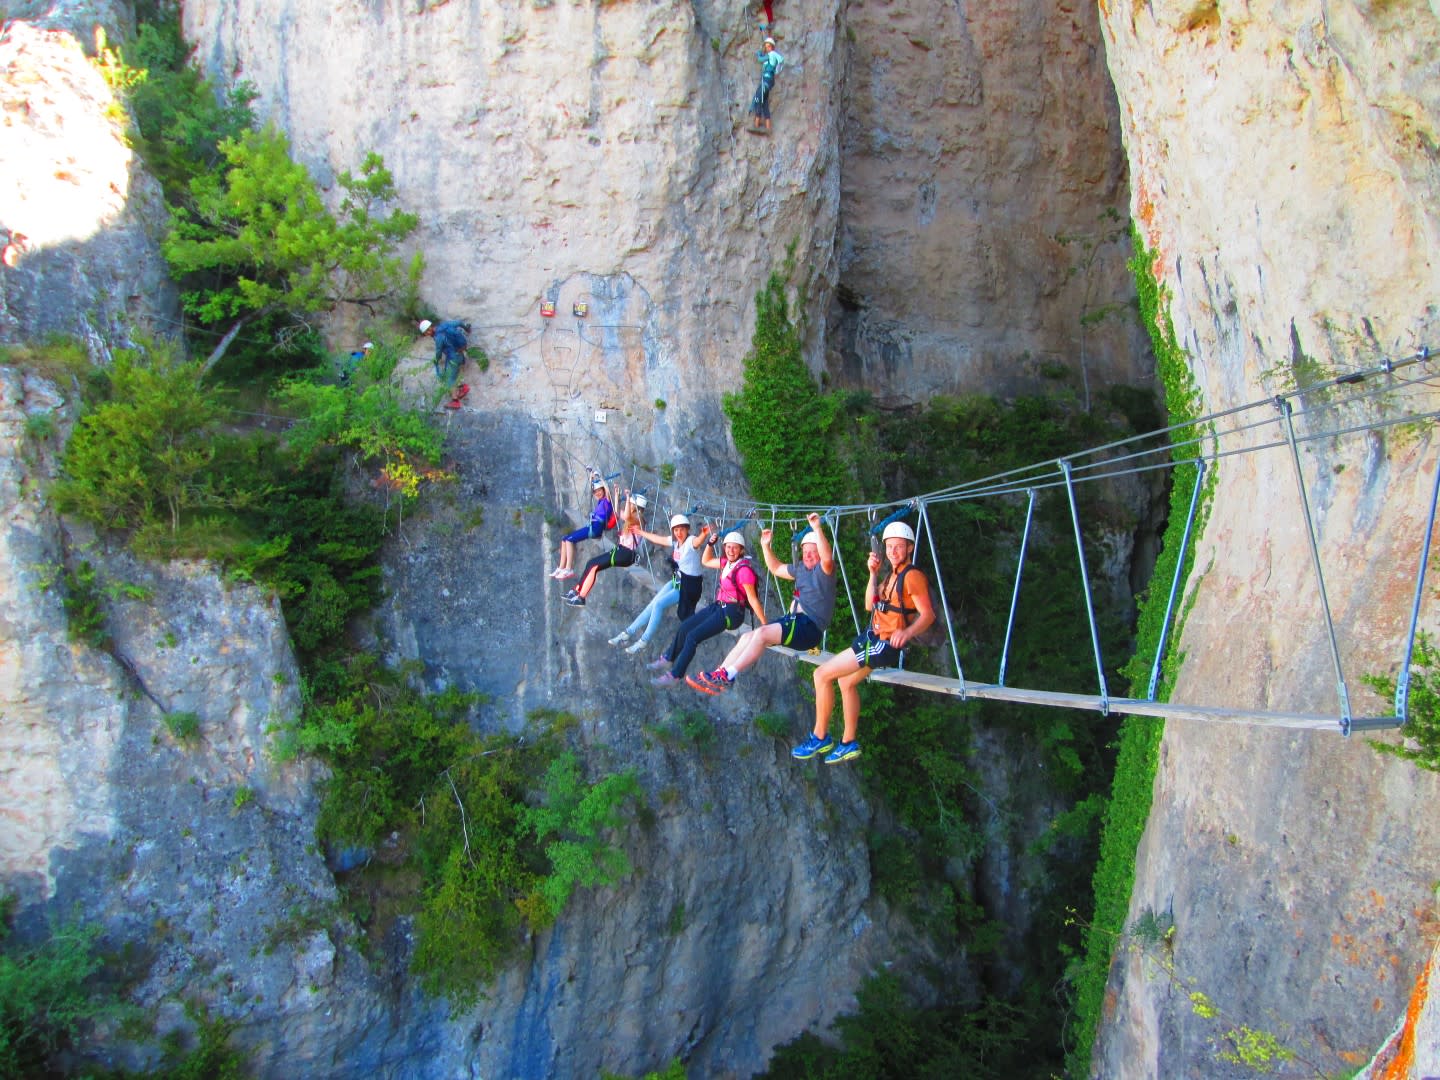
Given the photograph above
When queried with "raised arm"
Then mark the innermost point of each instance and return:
(822, 543)
(873, 563)
(709, 559)
(774, 565)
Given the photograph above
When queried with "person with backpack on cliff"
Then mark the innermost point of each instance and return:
(770, 64)
(602, 517)
(682, 591)
(627, 545)
(900, 610)
(734, 591)
(810, 609)
(451, 341)
(351, 363)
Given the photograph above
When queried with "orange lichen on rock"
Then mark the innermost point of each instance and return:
(1401, 1066)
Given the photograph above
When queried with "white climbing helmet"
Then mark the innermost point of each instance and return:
(424, 325)
(900, 529)
(735, 538)
(597, 483)
(640, 501)
(679, 521)
(811, 537)
(367, 346)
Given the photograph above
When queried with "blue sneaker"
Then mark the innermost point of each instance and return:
(843, 752)
(812, 746)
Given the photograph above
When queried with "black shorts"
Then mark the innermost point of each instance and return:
(798, 632)
(875, 652)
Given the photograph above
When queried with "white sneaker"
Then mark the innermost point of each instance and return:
(564, 575)
(633, 649)
(556, 573)
(620, 638)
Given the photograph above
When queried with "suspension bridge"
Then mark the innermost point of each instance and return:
(1386, 395)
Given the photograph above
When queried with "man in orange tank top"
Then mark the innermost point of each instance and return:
(900, 609)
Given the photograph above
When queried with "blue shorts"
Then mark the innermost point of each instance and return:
(588, 532)
(798, 632)
(873, 652)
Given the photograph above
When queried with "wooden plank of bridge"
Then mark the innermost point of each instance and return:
(1093, 702)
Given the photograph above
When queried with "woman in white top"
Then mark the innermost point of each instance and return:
(682, 589)
(627, 545)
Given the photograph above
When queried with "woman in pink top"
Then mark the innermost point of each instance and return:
(632, 528)
(734, 591)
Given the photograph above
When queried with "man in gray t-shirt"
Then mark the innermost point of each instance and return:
(810, 613)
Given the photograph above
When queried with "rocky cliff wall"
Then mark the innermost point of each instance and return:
(572, 152)
(78, 213)
(200, 857)
(982, 203)
(594, 153)
(1283, 168)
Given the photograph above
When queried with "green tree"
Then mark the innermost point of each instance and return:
(781, 420)
(182, 117)
(257, 238)
(146, 450)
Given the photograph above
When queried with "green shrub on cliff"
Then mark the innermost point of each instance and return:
(47, 994)
(781, 421)
(139, 456)
(487, 834)
(1422, 719)
(181, 116)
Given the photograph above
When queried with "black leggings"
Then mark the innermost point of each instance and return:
(691, 585)
(617, 556)
(699, 627)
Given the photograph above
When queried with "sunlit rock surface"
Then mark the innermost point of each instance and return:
(1282, 167)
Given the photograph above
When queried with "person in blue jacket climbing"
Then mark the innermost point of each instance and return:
(770, 63)
(351, 363)
(450, 344)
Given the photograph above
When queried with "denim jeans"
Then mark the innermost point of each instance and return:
(664, 600)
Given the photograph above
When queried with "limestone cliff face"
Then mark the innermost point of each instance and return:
(725, 944)
(78, 214)
(1283, 169)
(571, 152)
(982, 203)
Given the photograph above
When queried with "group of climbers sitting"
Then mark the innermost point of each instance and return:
(898, 601)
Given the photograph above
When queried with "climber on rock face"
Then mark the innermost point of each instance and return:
(353, 361)
(450, 344)
(770, 63)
